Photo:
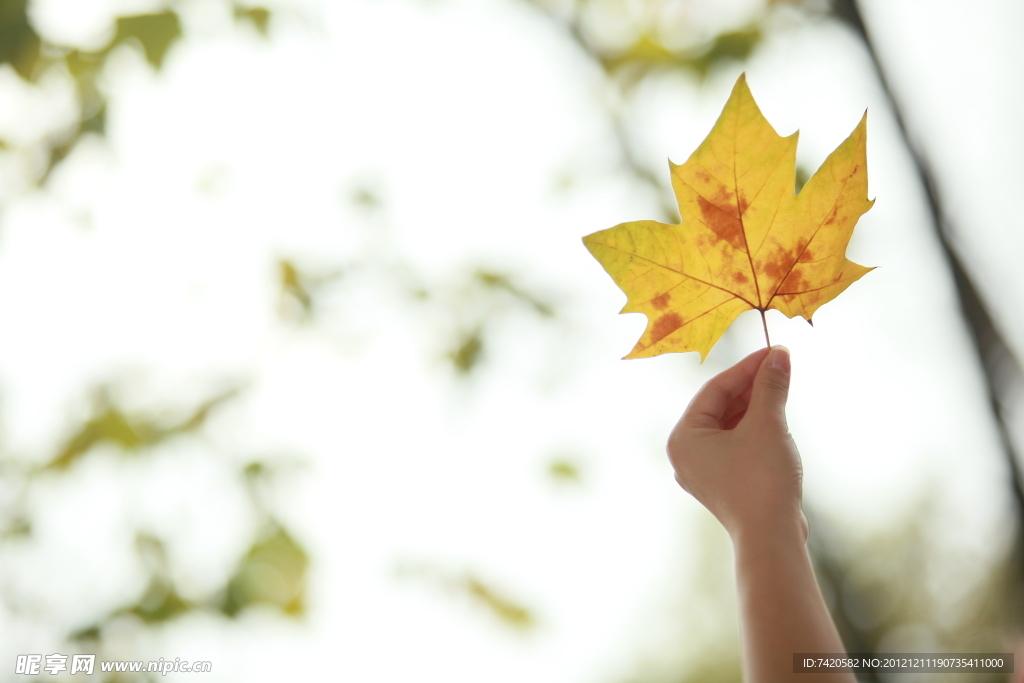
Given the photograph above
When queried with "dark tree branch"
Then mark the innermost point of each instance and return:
(1000, 368)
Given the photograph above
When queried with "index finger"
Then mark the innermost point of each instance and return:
(708, 405)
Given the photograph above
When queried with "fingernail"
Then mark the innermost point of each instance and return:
(778, 358)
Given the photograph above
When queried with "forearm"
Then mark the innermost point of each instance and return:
(781, 608)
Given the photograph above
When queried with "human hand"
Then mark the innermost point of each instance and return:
(732, 450)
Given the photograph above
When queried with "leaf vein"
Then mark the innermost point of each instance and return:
(677, 272)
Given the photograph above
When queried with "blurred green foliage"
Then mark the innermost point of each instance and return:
(32, 55)
(479, 305)
(647, 54)
(109, 424)
(259, 17)
(802, 176)
(472, 303)
(272, 573)
(19, 43)
(503, 283)
(503, 607)
(160, 600)
(479, 591)
(301, 288)
(468, 351)
(154, 33)
(565, 470)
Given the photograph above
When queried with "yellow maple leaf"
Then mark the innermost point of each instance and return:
(746, 241)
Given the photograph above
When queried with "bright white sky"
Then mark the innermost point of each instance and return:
(464, 114)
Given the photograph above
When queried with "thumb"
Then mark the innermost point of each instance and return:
(771, 387)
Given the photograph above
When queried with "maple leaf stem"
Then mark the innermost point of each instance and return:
(764, 323)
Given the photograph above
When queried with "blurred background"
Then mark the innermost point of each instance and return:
(304, 370)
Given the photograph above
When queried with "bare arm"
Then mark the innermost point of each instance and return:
(732, 451)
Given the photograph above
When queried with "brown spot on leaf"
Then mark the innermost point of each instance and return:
(807, 256)
(702, 175)
(778, 264)
(664, 326)
(723, 222)
(740, 278)
(795, 282)
(722, 197)
(660, 302)
(742, 203)
(832, 216)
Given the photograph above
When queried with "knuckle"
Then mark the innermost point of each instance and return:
(775, 385)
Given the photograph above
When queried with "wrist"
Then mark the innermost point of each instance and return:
(784, 530)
